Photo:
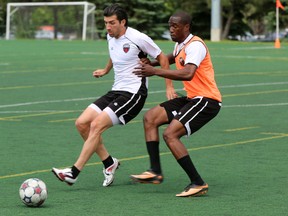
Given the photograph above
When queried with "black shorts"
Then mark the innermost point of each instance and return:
(124, 105)
(193, 113)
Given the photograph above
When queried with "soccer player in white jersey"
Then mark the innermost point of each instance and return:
(120, 105)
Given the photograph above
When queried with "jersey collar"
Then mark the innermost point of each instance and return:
(179, 46)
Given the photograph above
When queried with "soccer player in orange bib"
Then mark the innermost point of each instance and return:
(184, 115)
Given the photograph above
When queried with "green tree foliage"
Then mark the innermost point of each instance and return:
(238, 16)
(254, 16)
(147, 16)
(232, 13)
(264, 20)
(2, 16)
(200, 12)
(151, 16)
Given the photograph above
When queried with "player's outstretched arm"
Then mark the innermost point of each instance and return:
(184, 74)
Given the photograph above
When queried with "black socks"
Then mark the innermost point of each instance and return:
(108, 162)
(188, 166)
(153, 151)
(75, 171)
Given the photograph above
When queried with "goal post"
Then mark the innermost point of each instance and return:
(27, 17)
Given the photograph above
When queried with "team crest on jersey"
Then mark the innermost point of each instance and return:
(126, 47)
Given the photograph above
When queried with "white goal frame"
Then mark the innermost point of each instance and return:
(31, 4)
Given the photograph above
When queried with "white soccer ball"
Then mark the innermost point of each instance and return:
(33, 192)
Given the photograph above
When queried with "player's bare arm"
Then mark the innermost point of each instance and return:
(101, 72)
(186, 73)
(170, 57)
(164, 62)
(170, 90)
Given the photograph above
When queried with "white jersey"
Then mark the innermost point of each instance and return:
(124, 53)
(195, 51)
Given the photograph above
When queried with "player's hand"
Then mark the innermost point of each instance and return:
(144, 70)
(99, 73)
(171, 93)
(145, 61)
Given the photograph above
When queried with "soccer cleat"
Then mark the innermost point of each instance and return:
(65, 175)
(148, 177)
(194, 190)
(109, 173)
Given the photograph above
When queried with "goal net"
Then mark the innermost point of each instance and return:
(51, 20)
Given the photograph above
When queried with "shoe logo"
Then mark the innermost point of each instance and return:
(67, 174)
(109, 170)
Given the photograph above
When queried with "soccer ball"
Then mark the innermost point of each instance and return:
(33, 192)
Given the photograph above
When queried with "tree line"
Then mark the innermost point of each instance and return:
(151, 16)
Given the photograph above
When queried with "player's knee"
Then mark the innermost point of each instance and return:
(148, 118)
(96, 127)
(167, 136)
(93, 126)
(81, 125)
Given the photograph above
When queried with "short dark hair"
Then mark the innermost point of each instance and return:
(116, 9)
(185, 18)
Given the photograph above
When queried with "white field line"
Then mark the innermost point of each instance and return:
(46, 102)
(254, 84)
(253, 48)
(152, 92)
(145, 109)
(255, 105)
(37, 111)
(94, 53)
(251, 57)
(64, 100)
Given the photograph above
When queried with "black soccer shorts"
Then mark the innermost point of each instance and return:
(124, 105)
(193, 113)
